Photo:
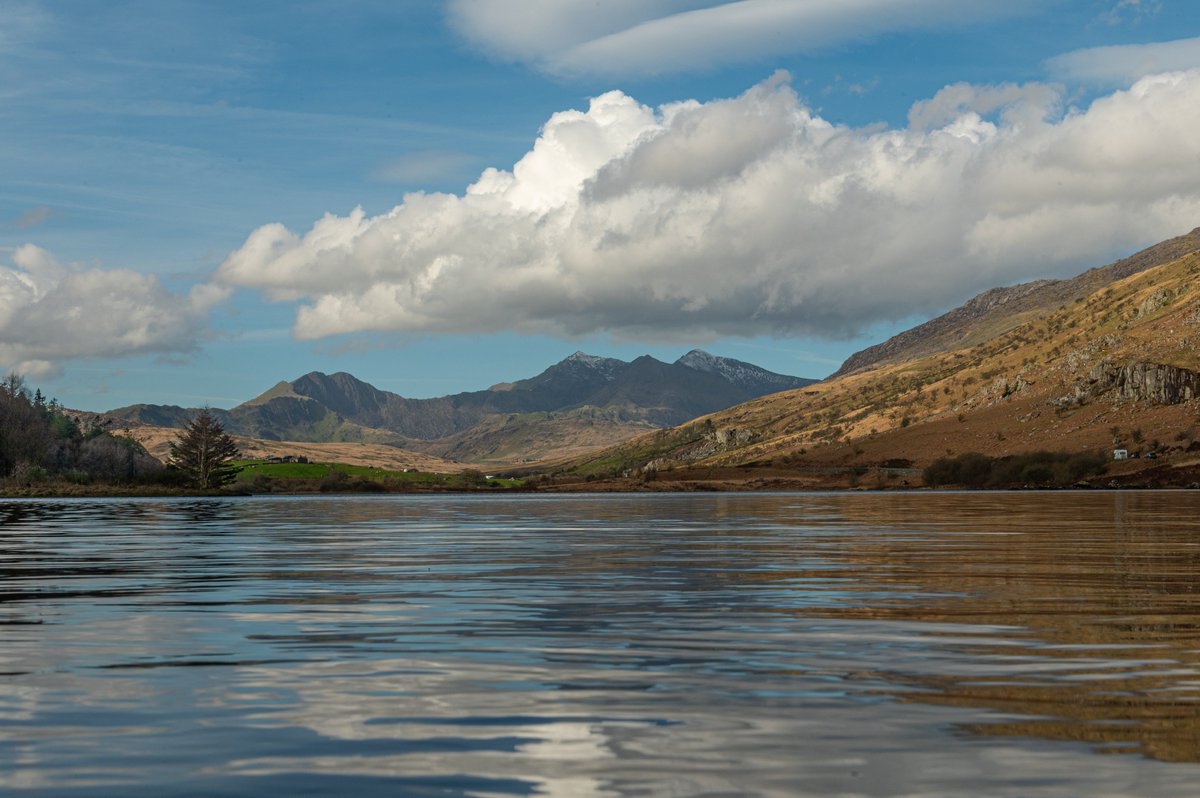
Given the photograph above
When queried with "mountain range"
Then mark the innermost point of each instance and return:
(582, 402)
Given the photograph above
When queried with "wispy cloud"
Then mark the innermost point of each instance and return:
(19, 21)
(623, 37)
(752, 216)
(32, 217)
(1125, 11)
(1123, 64)
(426, 166)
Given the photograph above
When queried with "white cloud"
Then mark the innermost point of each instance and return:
(51, 311)
(38, 370)
(622, 37)
(1030, 104)
(1123, 64)
(752, 216)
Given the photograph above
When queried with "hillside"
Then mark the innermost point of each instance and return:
(1002, 309)
(157, 441)
(580, 404)
(1108, 359)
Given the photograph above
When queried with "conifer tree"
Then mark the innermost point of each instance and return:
(204, 451)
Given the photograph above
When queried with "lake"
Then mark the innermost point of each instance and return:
(934, 644)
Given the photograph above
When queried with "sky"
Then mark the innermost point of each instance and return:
(199, 199)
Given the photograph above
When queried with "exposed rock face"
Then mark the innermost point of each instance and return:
(1156, 301)
(714, 441)
(1154, 382)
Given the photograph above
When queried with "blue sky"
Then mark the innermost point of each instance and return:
(202, 198)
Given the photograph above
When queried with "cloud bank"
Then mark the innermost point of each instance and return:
(753, 215)
(51, 311)
(624, 37)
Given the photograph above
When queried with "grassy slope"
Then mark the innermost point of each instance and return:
(157, 441)
(285, 473)
(992, 395)
(1002, 309)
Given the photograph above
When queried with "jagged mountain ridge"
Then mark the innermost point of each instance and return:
(645, 392)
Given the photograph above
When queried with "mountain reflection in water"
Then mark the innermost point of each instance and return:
(775, 644)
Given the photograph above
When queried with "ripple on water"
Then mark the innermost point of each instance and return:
(777, 644)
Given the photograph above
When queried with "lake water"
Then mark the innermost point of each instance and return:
(765, 644)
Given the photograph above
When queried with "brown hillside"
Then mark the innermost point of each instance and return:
(1000, 309)
(522, 439)
(1117, 364)
(157, 441)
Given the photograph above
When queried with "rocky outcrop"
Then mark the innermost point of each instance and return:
(1153, 382)
(1153, 303)
(714, 441)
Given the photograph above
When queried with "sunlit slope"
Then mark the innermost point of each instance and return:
(1001, 309)
(1112, 363)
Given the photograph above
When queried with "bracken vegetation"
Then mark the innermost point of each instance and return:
(973, 469)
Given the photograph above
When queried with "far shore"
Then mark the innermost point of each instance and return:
(739, 480)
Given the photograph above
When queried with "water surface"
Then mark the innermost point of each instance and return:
(768, 644)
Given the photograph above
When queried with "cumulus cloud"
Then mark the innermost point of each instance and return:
(753, 215)
(1122, 64)
(51, 311)
(621, 37)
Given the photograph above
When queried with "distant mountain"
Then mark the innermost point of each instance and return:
(747, 376)
(581, 392)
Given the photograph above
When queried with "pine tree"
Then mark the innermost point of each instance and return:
(203, 452)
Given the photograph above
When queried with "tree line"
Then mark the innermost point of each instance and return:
(41, 441)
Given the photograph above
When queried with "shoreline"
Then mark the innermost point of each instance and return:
(580, 488)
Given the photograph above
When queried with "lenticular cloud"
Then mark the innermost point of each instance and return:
(753, 215)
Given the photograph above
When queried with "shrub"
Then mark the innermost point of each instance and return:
(29, 474)
(335, 481)
(973, 469)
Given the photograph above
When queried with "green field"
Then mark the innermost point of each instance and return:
(283, 472)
